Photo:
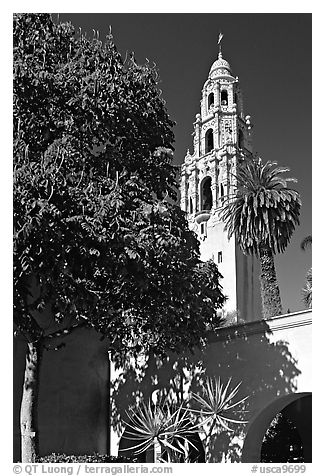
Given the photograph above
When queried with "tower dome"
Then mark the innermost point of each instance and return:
(221, 66)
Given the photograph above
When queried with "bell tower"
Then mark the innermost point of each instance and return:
(221, 140)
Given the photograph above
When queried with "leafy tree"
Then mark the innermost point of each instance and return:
(98, 240)
(308, 287)
(263, 216)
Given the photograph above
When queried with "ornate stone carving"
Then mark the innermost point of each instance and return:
(223, 120)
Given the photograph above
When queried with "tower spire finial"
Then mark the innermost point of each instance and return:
(219, 44)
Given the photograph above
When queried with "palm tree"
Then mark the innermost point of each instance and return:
(263, 215)
(307, 289)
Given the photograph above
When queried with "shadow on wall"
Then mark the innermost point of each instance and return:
(267, 370)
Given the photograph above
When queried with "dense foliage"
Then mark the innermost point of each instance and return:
(95, 458)
(96, 230)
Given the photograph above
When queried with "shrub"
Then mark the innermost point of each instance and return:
(94, 458)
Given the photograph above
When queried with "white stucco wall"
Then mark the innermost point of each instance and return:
(215, 242)
(240, 273)
(296, 329)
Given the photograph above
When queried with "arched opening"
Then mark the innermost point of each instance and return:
(289, 418)
(210, 100)
(206, 194)
(240, 139)
(224, 98)
(236, 98)
(209, 141)
(190, 205)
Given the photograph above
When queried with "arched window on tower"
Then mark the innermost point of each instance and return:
(236, 98)
(208, 140)
(191, 205)
(240, 139)
(206, 194)
(210, 100)
(224, 98)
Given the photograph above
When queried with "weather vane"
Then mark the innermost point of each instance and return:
(219, 42)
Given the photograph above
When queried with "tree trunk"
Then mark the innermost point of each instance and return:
(156, 452)
(270, 293)
(209, 443)
(28, 412)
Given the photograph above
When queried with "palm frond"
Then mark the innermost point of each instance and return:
(264, 210)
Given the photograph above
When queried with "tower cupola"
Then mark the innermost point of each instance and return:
(220, 67)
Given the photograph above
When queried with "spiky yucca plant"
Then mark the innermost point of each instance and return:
(161, 427)
(263, 215)
(217, 409)
(168, 430)
(217, 402)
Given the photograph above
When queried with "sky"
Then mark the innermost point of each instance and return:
(271, 53)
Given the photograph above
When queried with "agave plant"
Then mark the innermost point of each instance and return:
(161, 427)
(217, 408)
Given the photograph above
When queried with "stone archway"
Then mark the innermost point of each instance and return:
(298, 406)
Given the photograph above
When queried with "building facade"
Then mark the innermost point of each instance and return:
(222, 140)
(84, 398)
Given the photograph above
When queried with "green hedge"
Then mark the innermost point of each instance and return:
(94, 458)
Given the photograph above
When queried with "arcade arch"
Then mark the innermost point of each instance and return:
(297, 406)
